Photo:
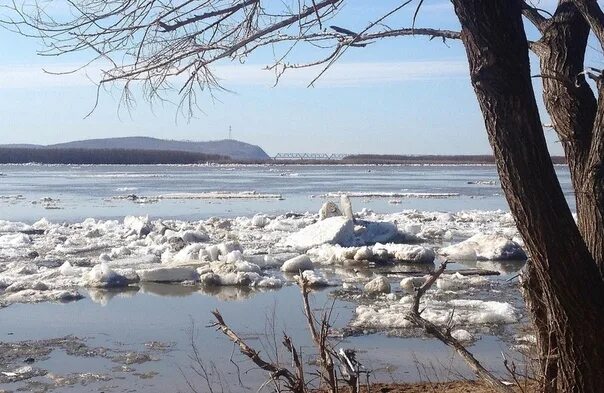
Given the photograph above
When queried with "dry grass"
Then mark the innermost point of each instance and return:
(437, 387)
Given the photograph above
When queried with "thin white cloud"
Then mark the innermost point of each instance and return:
(340, 75)
(347, 74)
(19, 76)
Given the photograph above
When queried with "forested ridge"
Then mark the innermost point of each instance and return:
(20, 155)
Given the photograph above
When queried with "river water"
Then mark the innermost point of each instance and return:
(173, 315)
(89, 191)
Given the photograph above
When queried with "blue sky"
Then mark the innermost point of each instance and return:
(397, 96)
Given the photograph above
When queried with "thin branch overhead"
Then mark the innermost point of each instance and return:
(172, 46)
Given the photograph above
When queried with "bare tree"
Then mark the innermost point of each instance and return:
(174, 44)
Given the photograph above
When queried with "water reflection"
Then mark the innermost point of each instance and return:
(104, 296)
(223, 293)
(408, 268)
(230, 293)
(169, 290)
(503, 267)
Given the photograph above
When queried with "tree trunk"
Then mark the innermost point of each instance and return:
(591, 219)
(546, 338)
(572, 292)
(572, 107)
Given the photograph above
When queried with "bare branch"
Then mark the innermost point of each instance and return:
(445, 336)
(172, 46)
(207, 15)
(532, 14)
(319, 336)
(593, 14)
(275, 371)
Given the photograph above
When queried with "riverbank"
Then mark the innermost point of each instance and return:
(467, 386)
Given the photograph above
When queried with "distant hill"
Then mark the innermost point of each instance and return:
(42, 155)
(236, 150)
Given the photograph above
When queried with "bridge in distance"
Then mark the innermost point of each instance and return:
(309, 156)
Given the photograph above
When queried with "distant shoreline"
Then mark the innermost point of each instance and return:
(75, 156)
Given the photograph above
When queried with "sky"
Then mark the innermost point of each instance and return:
(407, 95)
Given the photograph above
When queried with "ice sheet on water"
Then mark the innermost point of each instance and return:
(332, 230)
(388, 314)
(243, 251)
(413, 253)
(384, 194)
(485, 247)
(342, 231)
(316, 279)
(221, 195)
(296, 264)
(168, 274)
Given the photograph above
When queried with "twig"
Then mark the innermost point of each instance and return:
(445, 336)
(275, 371)
(320, 338)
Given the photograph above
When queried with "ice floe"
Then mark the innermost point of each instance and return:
(485, 247)
(374, 194)
(296, 264)
(379, 284)
(332, 230)
(462, 312)
(54, 261)
(389, 252)
(168, 274)
(221, 195)
(468, 302)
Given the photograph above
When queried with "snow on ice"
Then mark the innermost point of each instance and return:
(50, 261)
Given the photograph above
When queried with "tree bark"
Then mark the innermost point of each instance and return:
(591, 219)
(546, 339)
(572, 107)
(572, 290)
